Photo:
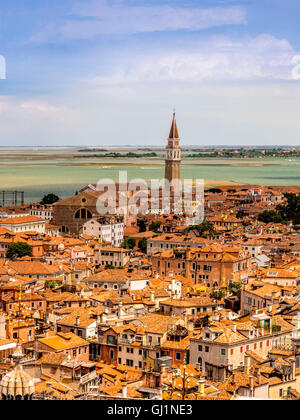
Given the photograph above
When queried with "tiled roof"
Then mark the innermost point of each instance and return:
(62, 341)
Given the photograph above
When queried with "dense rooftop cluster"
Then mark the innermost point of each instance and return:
(209, 312)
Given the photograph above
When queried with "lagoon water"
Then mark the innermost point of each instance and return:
(64, 171)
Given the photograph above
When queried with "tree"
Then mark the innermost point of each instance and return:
(235, 287)
(112, 267)
(154, 227)
(141, 225)
(143, 245)
(129, 243)
(218, 294)
(270, 216)
(50, 199)
(204, 230)
(290, 211)
(18, 250)
(51, 284)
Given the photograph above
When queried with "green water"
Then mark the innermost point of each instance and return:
(58, 171)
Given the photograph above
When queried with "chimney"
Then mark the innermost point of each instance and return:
(201, 386)
(186, 321)
(293, 363)
(247, 364)
(234, 327)
(124, 391)
(259, 377)
(198, 367)
(77, 321)
(251, 385)
(120, 310)
(152, 293)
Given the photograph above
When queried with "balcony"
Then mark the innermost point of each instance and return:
(91, 376)
(126, 340)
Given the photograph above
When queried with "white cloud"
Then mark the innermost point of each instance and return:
(41, 107)
(261, 58)
(101, 17)
(34, 110)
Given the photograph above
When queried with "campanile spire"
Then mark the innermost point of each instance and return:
(173, 153)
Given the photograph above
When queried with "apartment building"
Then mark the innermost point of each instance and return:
(258, 295)
(116, 257)
(24, 224)
(65, 343)
(41, 211)
(212, 265)
(190, 306)
(107, 229)
(137, 344)
(169, 241)
(220, 347)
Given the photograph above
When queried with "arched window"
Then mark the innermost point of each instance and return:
(83, 213)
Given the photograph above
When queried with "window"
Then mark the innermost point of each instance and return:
(207, 335)
(74, 353)
(199, 348)
(111, 339)
(206, 349)
(111, 354)
(223, 352)
(178, 356)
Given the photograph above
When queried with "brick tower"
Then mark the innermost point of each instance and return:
(173, 154)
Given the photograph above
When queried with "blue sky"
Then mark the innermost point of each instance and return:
(110, 72)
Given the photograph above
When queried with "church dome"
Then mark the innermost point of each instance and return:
(17, 384)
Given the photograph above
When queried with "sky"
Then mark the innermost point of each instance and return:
(111, 72)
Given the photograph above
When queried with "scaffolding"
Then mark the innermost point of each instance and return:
(11, 198)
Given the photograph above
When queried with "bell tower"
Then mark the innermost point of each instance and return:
(173, 154)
